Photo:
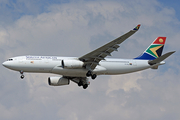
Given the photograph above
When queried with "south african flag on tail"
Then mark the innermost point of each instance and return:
(154, 50)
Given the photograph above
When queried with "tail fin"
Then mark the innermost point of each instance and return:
(154, 50)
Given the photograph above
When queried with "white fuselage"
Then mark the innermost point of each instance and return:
(53, 64)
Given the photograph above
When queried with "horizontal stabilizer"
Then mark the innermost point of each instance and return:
(158, 60)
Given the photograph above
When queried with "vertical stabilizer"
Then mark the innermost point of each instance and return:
(154, 50)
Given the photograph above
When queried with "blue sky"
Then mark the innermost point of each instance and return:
(52, 27)
(13, 9)
(174, 4)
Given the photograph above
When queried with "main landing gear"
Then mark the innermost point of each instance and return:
(85, 86)
(81, 84)
(85, 82)
(22, 76)
(89, 73)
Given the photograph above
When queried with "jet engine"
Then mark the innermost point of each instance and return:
(58, 81)
(72, 64)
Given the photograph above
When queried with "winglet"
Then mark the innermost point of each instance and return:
(137, 27)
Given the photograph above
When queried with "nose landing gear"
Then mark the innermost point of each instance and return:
(22, 76)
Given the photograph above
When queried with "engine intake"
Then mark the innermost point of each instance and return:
(72, 64)
(58, 81)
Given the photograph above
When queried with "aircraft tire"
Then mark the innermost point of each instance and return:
(22, 76)
(80, 83)
(88, 74)
(85, 86)
(94, 76)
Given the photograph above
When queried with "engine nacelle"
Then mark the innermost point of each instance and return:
(58, 81)
(72, 64)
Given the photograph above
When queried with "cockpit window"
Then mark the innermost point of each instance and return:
(10, 60)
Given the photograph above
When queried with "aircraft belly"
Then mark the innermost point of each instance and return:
(106, 67)
(113, 68)
(69, 72)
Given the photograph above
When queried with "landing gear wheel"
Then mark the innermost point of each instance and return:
(85, 86)
(22, 76)
(93, 76)
(80, 83)
(21, 72)
(88, 73)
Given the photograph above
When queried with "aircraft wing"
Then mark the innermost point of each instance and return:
(92, 59)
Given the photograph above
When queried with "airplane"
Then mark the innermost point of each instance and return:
(79, 69)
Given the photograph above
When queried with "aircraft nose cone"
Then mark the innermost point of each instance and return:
(9, 65)
(5, 64)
